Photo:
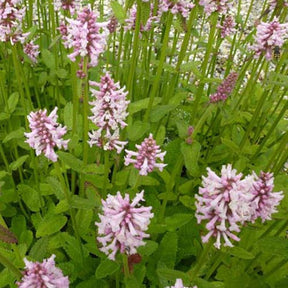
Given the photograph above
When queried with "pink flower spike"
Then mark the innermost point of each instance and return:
(220, 6)
(148, 153)
(109, 114)
(46, 133)
(268, 36)
(224, 89)
(123, 224)
(264, 201)
(225, 202)
(44, 274)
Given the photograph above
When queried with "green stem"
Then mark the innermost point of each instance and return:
(193, 272)
(68, 198)
(106, 173)
(159, 71)
(125, 266)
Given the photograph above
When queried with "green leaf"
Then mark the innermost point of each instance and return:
(118, 11)
(159, 112)
(18, 163)
(39, 249)
(4, 116)
(81, 203)
(141, 104)
(149, 248)
(48, 59)
(12, 103)
(145, 12)
(274, 246)
(30, 196)
(172, 275)
(61, 73)
(83, 220)
(106, 268)
(50, 225)
(71, 161)
(191, 155)
(19, 133)
(187, 201)
(239, 252)
(137, 130)
(230, 144)
(177, 220)
(191, 67)
(168, 249)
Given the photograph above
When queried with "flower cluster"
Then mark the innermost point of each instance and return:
(224, 89)
(182, 7)
(85, 35)
(68, 5)
(146, 156)
(12, 13)
(228, 201)
(45, 133)
(44, 274)
(123, 224)
(268, 36)
(227, 27)
(32, 51)
(109, 113)
(131, 21)
(179, 284)
(210, 6)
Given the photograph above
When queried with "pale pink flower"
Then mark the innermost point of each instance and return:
(109, 114)
(227, 27)
(12, 13)
(69, 5)
(225, 202)
(146, 156)
(123, 224)
(224, 89)
(269, 35)
(131, 20)
(32, 50)
(44, 275)
(264, 201)
(85, 35)
(221, 6)
(182, 7)
(45, 133)
(179, 284)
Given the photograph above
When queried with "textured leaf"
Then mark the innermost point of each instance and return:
(106, 268)
(30, 196)
(177, 220)
(191, 155)
(19, 133)
(159, 112)
(51, 225)
(137, 130)
(48, 58)
(71, 161)
(18, 163)
(168, 249)
(118, 11)
(12, 102)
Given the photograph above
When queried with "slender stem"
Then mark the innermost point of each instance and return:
(159, 71)
(193, 272)
(125, 266)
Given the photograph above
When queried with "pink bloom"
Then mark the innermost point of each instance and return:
(46, 133)
(68, 5)
(179, 284)
(84, 35)
(182, 7)
(131, 21)
(225, 202)
(264, 201)
(123, 224)
(227, 27)
(269, 35)
(32, 51)
(112, 25)
(12, 13)
(45, 275)
(210, 6)
(109, 114)
(146, 156)
(225, 88)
